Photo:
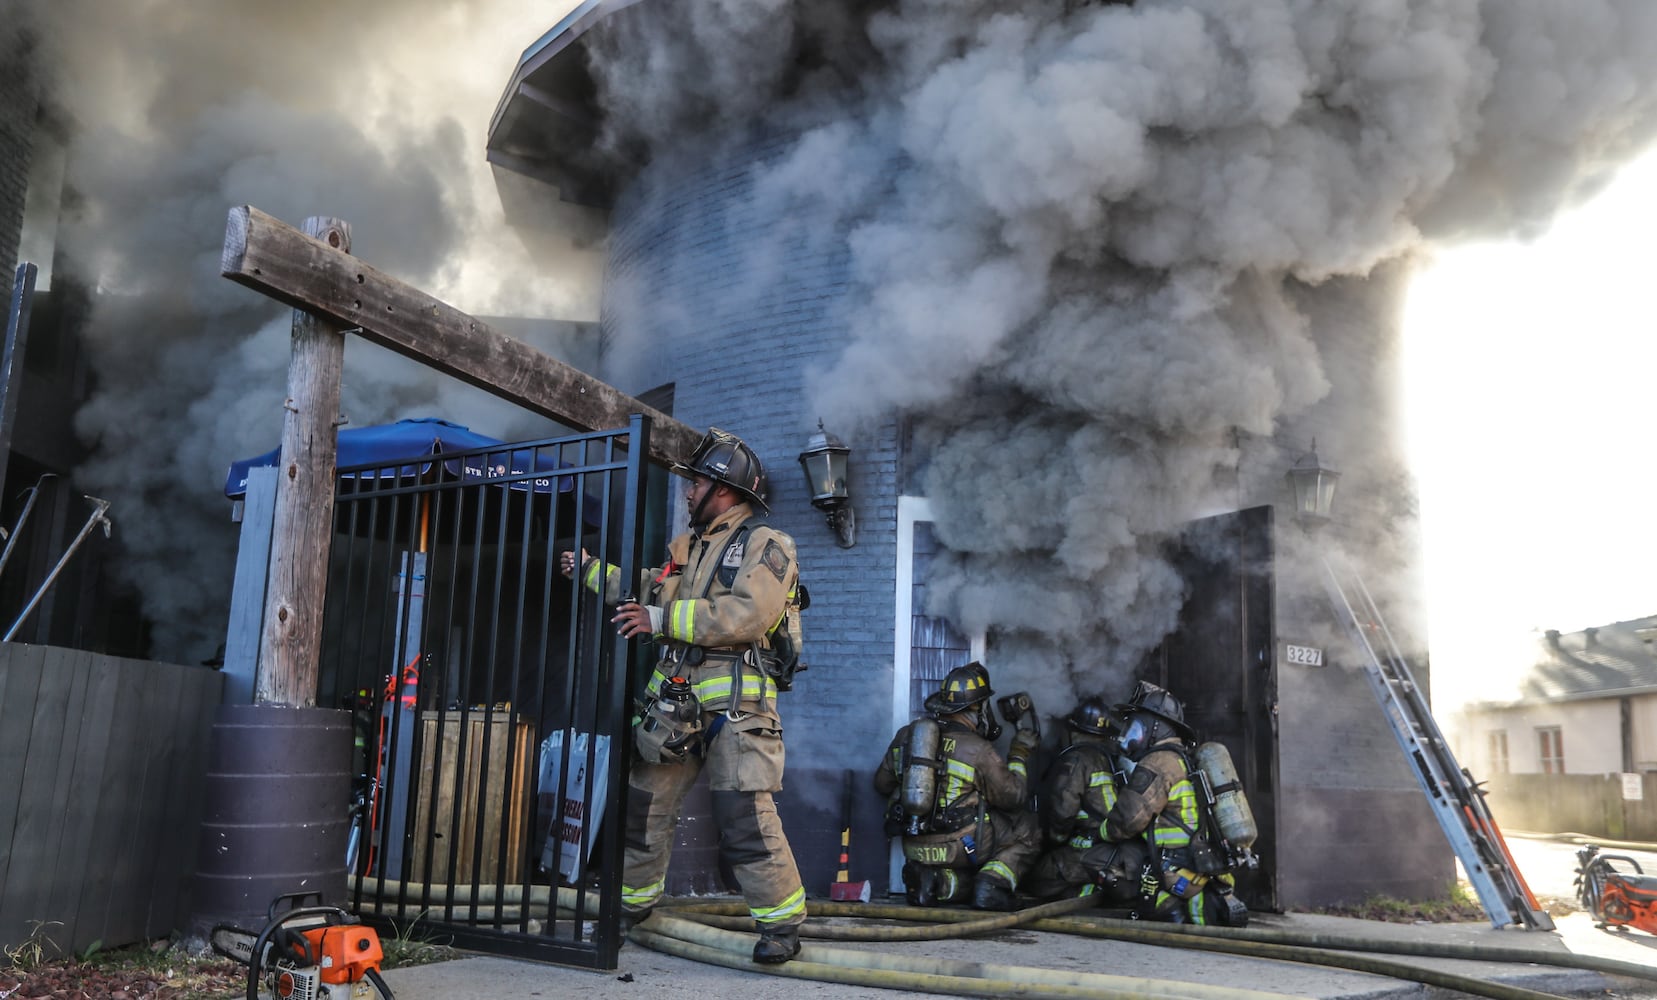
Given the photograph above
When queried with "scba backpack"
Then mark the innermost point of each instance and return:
(781, 661)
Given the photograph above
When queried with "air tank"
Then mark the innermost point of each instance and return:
(920, 768)
(1231, 806)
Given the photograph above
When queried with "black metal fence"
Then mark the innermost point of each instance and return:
(489, 692)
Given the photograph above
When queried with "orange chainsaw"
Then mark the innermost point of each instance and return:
(1616, 898)
(306, 953)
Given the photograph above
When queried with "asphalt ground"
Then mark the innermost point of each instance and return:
(1547, 866)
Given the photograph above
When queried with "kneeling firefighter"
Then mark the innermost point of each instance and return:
(959, 807)
(1186, 877)
(1079, 792)
(717, 611)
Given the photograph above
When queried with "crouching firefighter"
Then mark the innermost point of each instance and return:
(1186, 878)
(718, 611)
(1079, 792)
(960, 808)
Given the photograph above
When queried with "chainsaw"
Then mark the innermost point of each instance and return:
(306, 953)
(1615, 898)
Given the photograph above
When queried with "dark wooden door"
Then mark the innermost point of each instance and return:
(1221, 664)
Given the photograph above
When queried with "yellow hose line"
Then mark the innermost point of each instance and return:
(1582, 838)
(979, 922)
(1266, 935)
(1155, 934)
(867, 968)
(1306, 955)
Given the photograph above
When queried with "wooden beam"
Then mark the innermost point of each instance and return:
(267, 255)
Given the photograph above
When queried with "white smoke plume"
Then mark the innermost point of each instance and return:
(371, 112)
(1120, 263)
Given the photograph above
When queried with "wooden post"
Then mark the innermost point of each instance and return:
(291, 643)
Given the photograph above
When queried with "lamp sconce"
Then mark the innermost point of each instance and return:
(1314, 488)
(824, 462)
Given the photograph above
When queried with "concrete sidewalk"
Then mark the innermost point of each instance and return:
(645, 973)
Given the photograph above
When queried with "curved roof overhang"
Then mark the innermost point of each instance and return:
(548, 120)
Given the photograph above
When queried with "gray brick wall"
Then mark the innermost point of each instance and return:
(742, 302)
(18, 104)
(735, 302)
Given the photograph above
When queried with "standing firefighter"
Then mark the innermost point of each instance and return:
(1080, 791)
(1185, 879)
(958, 806)
(714, 609)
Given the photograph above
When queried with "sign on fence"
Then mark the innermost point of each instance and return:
(1633, 786)
(570, 837)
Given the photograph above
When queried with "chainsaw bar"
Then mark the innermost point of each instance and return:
(235, 943)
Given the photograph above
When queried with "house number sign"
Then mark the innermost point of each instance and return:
(1309, 656)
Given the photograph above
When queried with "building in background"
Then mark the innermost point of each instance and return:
(1328, 782)
(1588, 705)
(45, 382)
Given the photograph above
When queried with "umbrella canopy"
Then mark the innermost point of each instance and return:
(388, 445)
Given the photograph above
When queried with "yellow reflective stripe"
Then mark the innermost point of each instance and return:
(961, 774)
(642, 895)
(714, 688)
(1016, 765)
(597, 570)
(1106, 783)
(654, 685)
(789, 908)
(1170, 834)
(997, 868)
(682, 621)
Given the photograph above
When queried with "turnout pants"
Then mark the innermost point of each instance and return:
(744, 764)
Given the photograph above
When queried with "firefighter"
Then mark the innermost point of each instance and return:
(1180, 882)
(959, 807)
(711, 609)
(1078, 793)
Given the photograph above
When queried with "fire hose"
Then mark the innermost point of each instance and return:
(673, 929)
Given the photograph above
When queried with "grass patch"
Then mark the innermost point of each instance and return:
(1460, 903)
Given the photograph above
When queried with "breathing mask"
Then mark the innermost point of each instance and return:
(987, 727)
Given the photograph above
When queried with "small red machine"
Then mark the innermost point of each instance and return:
(1619, 898)
(306, 953)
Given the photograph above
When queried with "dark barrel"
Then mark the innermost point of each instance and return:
(274, 816)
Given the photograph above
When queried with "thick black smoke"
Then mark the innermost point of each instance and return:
(1120, 263)
(370, 112)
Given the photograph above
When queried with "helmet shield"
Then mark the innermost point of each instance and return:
(724, 458)
(963, 687)
(1094, 716)
(1158, 701)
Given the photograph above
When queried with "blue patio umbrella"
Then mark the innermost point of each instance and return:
(386, 446)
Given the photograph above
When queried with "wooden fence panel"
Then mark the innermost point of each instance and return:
(21, 676)
(101, 765)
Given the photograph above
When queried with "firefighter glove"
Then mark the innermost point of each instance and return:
(1029, 721)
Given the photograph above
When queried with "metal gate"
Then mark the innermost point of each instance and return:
(489, 694)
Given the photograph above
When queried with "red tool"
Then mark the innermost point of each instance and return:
(1616, 898)
(844, 890)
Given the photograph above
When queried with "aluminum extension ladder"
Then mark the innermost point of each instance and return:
(1456, 799)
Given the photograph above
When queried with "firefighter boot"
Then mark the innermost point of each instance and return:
(952, 885)
(777, 945)
(992, 894)
(632, 918)
(919, 885)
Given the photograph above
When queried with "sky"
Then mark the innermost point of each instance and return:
(1530, 369)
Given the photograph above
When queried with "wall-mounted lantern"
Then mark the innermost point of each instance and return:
(1314, 487)
(825, 461)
